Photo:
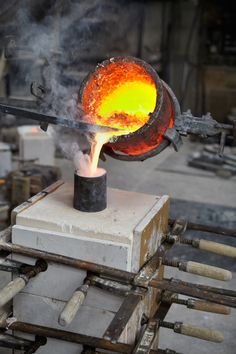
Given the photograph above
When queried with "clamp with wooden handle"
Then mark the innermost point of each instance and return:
(176, 236)
(19, 283)
(201, 269)
(210, 246)
(206, 306)
(73, 304)
(194, 331)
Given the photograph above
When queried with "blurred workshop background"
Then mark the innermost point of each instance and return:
(192, 46)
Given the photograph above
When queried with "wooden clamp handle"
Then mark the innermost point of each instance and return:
(11, 289)
(73, 305)
(205, 270)
(218, 248)
(208, 307)
(199, 332)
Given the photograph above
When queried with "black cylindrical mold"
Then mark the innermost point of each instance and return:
(90, 193)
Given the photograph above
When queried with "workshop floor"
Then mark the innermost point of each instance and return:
(169, 174)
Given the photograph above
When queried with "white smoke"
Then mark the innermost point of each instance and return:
(69, 34)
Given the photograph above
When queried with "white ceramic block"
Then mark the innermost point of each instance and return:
(59, 281)
(36, 144)
(5, 159)
(123, 236)
(45, 311)
(116, 223)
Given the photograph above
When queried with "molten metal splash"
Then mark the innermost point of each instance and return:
(120, 95)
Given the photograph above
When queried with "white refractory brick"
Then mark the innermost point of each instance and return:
(45, 311)
(36, 144)
(5, 159)
(123, 236)
(53, 346)
(64, 280)
(116, 223)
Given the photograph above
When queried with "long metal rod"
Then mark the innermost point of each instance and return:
(19, 102)
(159, 351)
(194, 291)
(73, 337)
(48, 119)
(220, 291)
(207, 228)
(123, 276)
(13, 342)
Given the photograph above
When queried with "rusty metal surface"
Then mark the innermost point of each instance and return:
(207, 228)
(219, 291)
(149, 269)
(172, 298)
(123, 276)
(110, 285)
(190, 289)
(122, 317)
(146, 338)
(31, 271)
(9, 265)
(82, 339)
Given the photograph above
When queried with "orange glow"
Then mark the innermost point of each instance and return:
(120, 95)
(99, 140)
(34, 130)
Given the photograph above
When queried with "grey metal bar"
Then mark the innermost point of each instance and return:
(121, 318)
(45, 118)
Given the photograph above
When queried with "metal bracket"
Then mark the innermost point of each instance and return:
(179, 227)
(122, 317)
(9, 265)
(37, 90)
(147, 337)
(148, 271)
(204, 126)
(174, 137)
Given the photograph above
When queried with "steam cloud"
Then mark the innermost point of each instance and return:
(69, 39)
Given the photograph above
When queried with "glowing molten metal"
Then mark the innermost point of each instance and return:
(120, 95)
(124, 94)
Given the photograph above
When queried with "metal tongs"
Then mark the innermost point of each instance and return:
(46, 119)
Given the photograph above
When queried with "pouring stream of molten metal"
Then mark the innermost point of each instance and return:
(120, 95)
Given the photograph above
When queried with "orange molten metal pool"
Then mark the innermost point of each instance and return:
(126, 93)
